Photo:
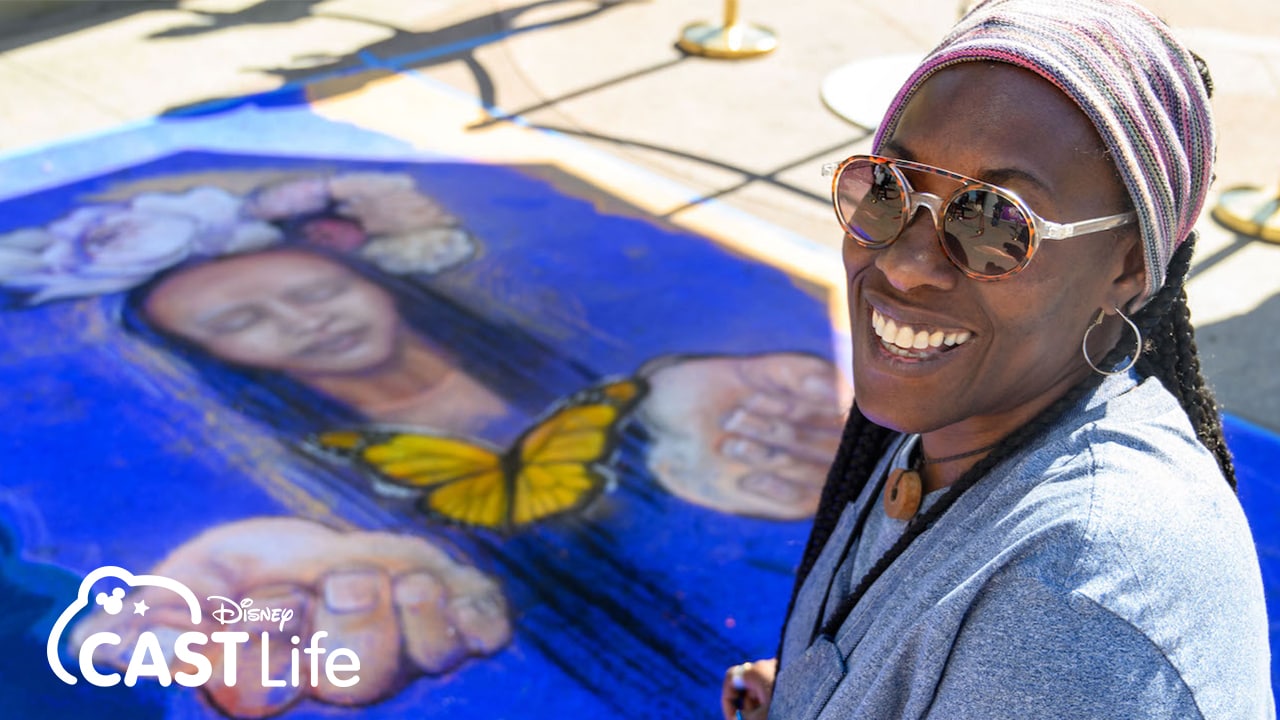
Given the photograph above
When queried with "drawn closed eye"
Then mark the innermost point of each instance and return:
(232, 321)
(318, 292)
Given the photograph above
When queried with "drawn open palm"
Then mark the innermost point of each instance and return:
(403, 604)
(749, 435)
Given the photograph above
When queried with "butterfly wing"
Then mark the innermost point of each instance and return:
(479, 500)
(466, 483)
(553, 468)
(556, 465)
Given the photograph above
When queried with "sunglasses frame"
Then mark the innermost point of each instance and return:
(912, 200)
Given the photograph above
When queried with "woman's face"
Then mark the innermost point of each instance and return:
(281, 310)
(1009, 127)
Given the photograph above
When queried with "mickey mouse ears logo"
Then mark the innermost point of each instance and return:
(112, 603)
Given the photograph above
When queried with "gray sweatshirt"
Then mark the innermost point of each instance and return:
(1106, 571)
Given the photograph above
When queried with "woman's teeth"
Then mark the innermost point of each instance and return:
(901, 338)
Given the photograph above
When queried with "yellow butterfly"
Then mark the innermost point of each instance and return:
(554, 467)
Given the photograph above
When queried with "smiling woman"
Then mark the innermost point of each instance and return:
(1031, 512)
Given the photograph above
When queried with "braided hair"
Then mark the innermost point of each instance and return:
(1168, 354)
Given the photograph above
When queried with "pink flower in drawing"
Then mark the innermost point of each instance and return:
(334, 233)
(107, 248)
(383, 217)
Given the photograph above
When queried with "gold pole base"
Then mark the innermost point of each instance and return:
(732, 42)
(1250, 211)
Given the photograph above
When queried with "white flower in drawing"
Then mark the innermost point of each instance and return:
(387, 203)
(428, 250)
(97, 249)
(220, 224)
(409, 232)
(290, 198)
(107, 248)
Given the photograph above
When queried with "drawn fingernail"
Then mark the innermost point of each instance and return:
(745, 450)
(818, 386)
(351, 591)
(490, 604)
(470, 609)
(770, 486)
(466, 612)
(738, 421)
(418, 589)
(766, 404)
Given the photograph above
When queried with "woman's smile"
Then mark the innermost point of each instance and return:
(915, 339)
(904, 341)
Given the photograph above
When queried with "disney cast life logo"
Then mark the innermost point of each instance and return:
(148, 656)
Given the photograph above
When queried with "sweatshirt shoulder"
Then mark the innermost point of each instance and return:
(1164, 545)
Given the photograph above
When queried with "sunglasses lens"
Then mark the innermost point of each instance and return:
(986, 233)
(870, 202)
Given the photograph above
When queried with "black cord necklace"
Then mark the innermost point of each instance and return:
(926, 460)
(821, 627)
(905, 487)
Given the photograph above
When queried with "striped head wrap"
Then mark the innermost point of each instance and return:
(1137, 84)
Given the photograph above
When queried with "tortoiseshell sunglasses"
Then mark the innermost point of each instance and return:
(986, 231)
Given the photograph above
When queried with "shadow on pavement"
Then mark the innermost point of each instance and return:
(28, 22)
(1230, 352)
(404, 50)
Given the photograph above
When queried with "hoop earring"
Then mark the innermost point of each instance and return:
(1137, 348)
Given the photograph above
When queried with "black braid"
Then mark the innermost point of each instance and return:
(1202, 67)
(1168, 354)
(860, 448)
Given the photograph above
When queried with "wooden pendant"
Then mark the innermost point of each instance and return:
(902, 494)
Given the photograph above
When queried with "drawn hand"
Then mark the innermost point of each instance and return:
(746, 435)
(401, 603)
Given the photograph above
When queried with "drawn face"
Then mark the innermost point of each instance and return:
(280, 310)
(1019, 338)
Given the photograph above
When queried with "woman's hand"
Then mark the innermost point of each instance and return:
(748, 687)
(400, 602)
